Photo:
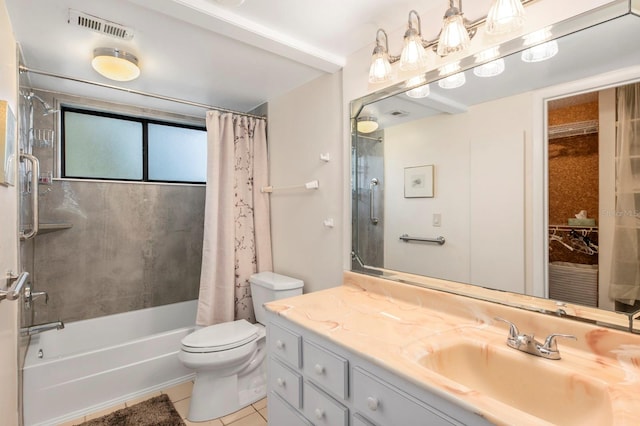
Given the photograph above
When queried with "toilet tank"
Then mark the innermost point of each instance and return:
(269, 286)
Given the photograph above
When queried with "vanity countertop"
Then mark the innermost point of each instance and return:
(395, 325)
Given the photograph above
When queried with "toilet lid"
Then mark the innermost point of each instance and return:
(220, 337)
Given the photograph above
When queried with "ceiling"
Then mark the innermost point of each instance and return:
(205, 51)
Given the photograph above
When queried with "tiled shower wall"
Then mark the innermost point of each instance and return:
(130, 245)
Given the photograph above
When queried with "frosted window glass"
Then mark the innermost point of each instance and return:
(177, 154)
(102, 147)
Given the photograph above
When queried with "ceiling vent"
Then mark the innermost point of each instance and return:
(99, 25)
(398, 113)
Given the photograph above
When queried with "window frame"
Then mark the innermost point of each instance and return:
(144, 121)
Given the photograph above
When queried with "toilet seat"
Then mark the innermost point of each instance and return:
(220, 337)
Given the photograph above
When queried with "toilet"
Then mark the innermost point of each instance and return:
(229, 358)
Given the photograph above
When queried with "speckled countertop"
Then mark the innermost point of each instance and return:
(403, 328)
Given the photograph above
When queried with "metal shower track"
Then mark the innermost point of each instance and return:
(24, 69)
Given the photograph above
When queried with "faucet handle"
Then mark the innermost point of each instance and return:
(550, 342)
(513, 330)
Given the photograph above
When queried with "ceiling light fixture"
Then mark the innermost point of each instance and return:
(115, 64)
(454, 37)
(367, 124)
(503, 16)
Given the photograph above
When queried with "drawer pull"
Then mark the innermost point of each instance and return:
(319, 413)
(373, 403)
(279, 344)
(281, 382)
(319, 369)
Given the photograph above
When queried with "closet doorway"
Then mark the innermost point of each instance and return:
(590, 157)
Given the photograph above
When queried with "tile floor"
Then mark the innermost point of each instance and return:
(253, 415)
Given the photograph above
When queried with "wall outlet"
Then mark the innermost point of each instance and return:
(437, 219)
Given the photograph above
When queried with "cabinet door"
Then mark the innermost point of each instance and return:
(281, 414)
(386, 405)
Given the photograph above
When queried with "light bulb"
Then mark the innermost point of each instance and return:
(454, 36)
(505, 16)
(413, 56)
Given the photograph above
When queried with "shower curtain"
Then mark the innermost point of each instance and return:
(625, 270)
(237, 236)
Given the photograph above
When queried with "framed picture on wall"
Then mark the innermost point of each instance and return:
(418, 182)
(7, 145)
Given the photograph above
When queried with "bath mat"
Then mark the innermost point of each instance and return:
(157, 411)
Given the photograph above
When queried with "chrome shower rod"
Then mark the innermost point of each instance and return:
(24, 69)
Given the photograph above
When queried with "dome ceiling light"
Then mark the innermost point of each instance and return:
(115, 64)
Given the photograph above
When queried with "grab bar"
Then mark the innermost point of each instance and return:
(14, 291)
(406, 238)
(372, 216)
(35, 173)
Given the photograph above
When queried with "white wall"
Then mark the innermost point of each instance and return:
(302, 125)
(418, 143)
(479, 186)
(8, 239)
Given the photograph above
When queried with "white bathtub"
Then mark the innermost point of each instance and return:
(95, 363)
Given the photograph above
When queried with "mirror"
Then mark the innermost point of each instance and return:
(454, 186)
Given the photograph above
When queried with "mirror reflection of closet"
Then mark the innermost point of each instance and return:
(588, 161)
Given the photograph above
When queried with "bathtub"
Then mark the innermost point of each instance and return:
(96, 363)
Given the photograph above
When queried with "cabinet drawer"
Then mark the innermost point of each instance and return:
(358, 420)
(322, 409)
(280, 413)
(286, 383)
(386, 405)
(286, 344)
(326, 369)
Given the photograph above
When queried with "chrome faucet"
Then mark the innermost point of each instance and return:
(527, 343)
(39, 328)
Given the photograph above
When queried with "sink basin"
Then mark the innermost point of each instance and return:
(542, 388)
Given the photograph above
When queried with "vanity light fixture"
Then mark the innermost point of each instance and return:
(540, 49)
(413, 56)
(452, 81)
(505, 16)
(115, 64)
(367, 124)
(419, 92)
(454, 37)
(380, 70)
(493, 67)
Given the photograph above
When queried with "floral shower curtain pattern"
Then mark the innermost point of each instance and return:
(237, 238)
(625, 268)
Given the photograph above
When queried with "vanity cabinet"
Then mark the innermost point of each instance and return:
(313, 381)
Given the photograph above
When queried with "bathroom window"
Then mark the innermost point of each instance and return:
(98, 145)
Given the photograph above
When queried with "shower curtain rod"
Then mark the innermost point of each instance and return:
(24, 69)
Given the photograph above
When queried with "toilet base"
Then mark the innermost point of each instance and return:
(215, 396)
